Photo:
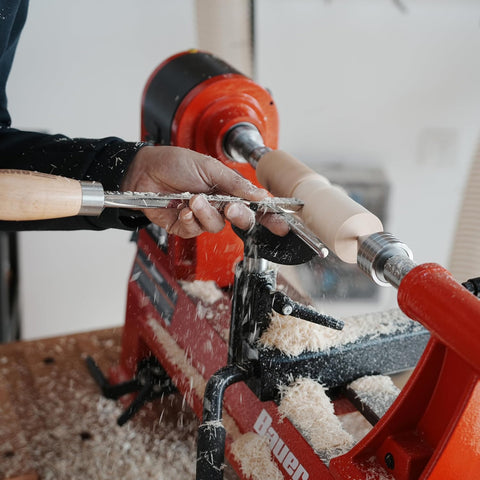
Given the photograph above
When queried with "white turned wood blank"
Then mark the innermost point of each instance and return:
(329, 212)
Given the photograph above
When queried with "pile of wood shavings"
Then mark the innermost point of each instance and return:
(253, 453)
(109, 451)
(293, 336)
(207, 291)
(307, 406)
(375, 384)
(378, 391)
(62, 428)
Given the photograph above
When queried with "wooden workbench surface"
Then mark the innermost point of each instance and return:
(55, 424)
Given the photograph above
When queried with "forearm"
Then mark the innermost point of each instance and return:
(105, 160)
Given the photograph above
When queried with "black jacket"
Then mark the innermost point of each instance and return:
(104, 160)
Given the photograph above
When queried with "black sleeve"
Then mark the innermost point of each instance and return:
(13, 14)
(105, 160)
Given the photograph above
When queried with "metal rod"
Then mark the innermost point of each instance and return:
(302, 232)
(212, 433)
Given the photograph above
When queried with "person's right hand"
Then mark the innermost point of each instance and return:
(176, 170)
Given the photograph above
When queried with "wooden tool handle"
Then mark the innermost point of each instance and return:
(26, 195)
(328, 212)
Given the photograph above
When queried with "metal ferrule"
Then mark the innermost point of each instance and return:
(93, 198)
(243, 143)
(378, 250)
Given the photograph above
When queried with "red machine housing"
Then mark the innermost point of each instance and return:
(433, 429)
(209, 98)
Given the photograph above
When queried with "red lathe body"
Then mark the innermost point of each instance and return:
(432, 431)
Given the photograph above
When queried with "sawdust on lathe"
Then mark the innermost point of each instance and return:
(307, 406)
(376, 391)
(375, 384)
(207, 291)
(253, 453)
(179, 358)
(293, 336)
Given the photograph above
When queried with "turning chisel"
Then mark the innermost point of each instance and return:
(26, 195)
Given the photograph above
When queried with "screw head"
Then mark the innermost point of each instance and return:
(390, 461)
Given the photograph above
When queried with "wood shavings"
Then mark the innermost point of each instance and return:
(307, 406)
(253, 453)
(177, 356)
(71, 429)
(293, 336)
(371, 470)
(80, 438)
(375, 392)
(113, 452)
(207, 291)
(375, 384)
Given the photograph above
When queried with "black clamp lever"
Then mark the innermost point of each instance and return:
(286, 306)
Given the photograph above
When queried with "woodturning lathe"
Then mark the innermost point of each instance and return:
(197, 101)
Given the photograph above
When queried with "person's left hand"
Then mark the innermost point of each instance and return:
(176, 170)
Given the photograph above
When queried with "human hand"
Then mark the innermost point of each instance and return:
(175, 170)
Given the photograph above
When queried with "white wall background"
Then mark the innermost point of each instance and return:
(367, 82)
(359, 81)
